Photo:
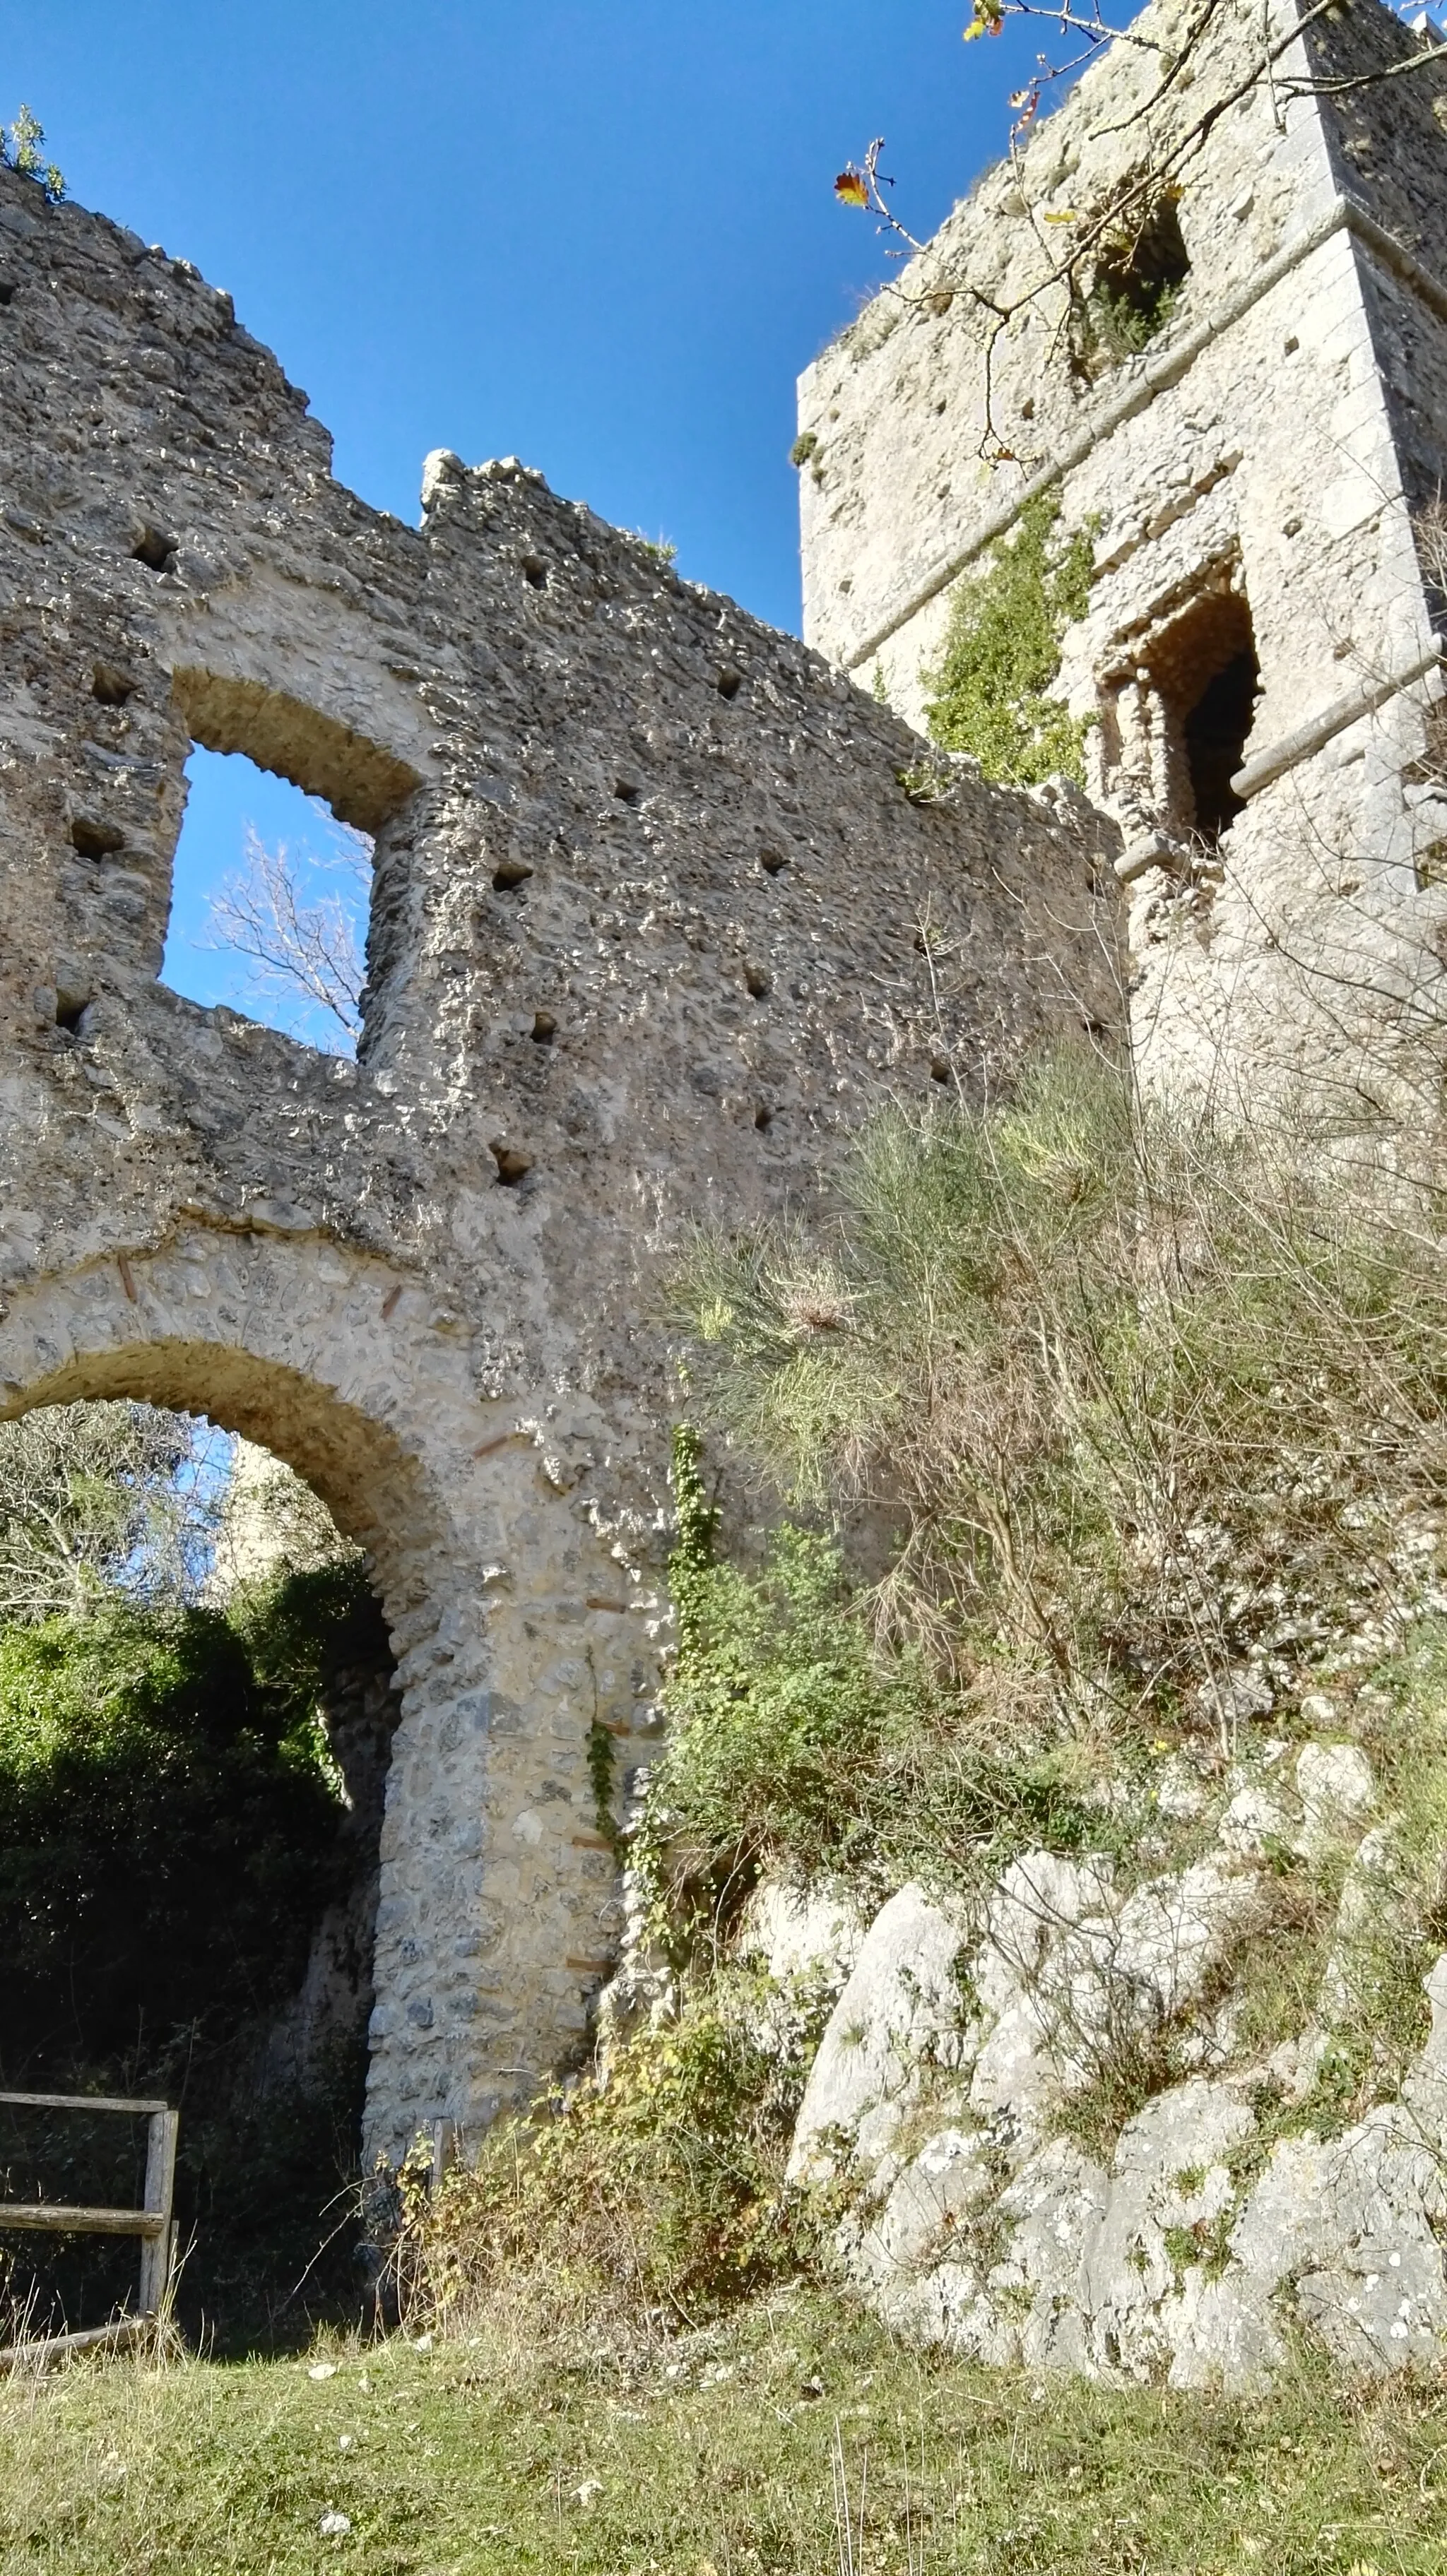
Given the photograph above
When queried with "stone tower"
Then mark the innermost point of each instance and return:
(1251, 452)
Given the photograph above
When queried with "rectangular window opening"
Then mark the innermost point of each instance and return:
(269, 904)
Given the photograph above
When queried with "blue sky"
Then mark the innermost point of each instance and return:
(601, 237)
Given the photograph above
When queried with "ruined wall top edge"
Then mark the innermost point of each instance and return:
(648, 892)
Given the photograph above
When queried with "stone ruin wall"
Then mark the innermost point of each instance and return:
(1261, 457)
(653, 925)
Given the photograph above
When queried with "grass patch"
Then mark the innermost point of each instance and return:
(1132, 2064)
(712, 2457)
(1281, 1981)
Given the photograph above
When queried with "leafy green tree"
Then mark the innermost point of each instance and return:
(99, 1500)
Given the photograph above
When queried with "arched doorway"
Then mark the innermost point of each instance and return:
(515, 1630)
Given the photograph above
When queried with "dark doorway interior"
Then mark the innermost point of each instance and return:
(1215, 732)
(1202, 673)
(197, 1699)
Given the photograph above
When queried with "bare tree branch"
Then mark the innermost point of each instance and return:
(1093, 230)
(297, 945)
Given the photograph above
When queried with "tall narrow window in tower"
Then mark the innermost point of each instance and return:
(1215, 733)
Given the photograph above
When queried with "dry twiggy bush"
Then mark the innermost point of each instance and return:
(644, 2197)
(1157, 1405)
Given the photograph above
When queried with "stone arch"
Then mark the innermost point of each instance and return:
(199, 1325)
(364, 783)
(502, 1612)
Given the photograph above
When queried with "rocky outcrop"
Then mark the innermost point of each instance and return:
(1054, 2152)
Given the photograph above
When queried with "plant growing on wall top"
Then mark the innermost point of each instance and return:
(1140, 267)
(20, 149)
(989, 694)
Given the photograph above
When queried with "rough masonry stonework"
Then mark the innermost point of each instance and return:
(1252, 478)
(653, 923)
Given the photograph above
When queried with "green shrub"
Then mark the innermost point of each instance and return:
(798, 1743)
(654, 2190)
(1122, 325)
(299, 1630)
(776, 1703)
(1140, 268)
(20, 148)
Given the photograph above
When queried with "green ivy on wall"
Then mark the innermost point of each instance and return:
(989, 693)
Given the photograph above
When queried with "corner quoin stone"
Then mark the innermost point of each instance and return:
(653, 925)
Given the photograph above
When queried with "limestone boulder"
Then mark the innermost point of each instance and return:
(1255, 1819)
(941, 2100)
(801, 1935)
(900, 2024)
(1170, 2190)
(1345, 2233)
(1038, 1977)
(1188, 2258)
(925, 2215)
(1072, 1973)
(1376, 1893)
(805, 1942)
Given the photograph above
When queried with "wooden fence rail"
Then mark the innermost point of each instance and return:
(152, 2222)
